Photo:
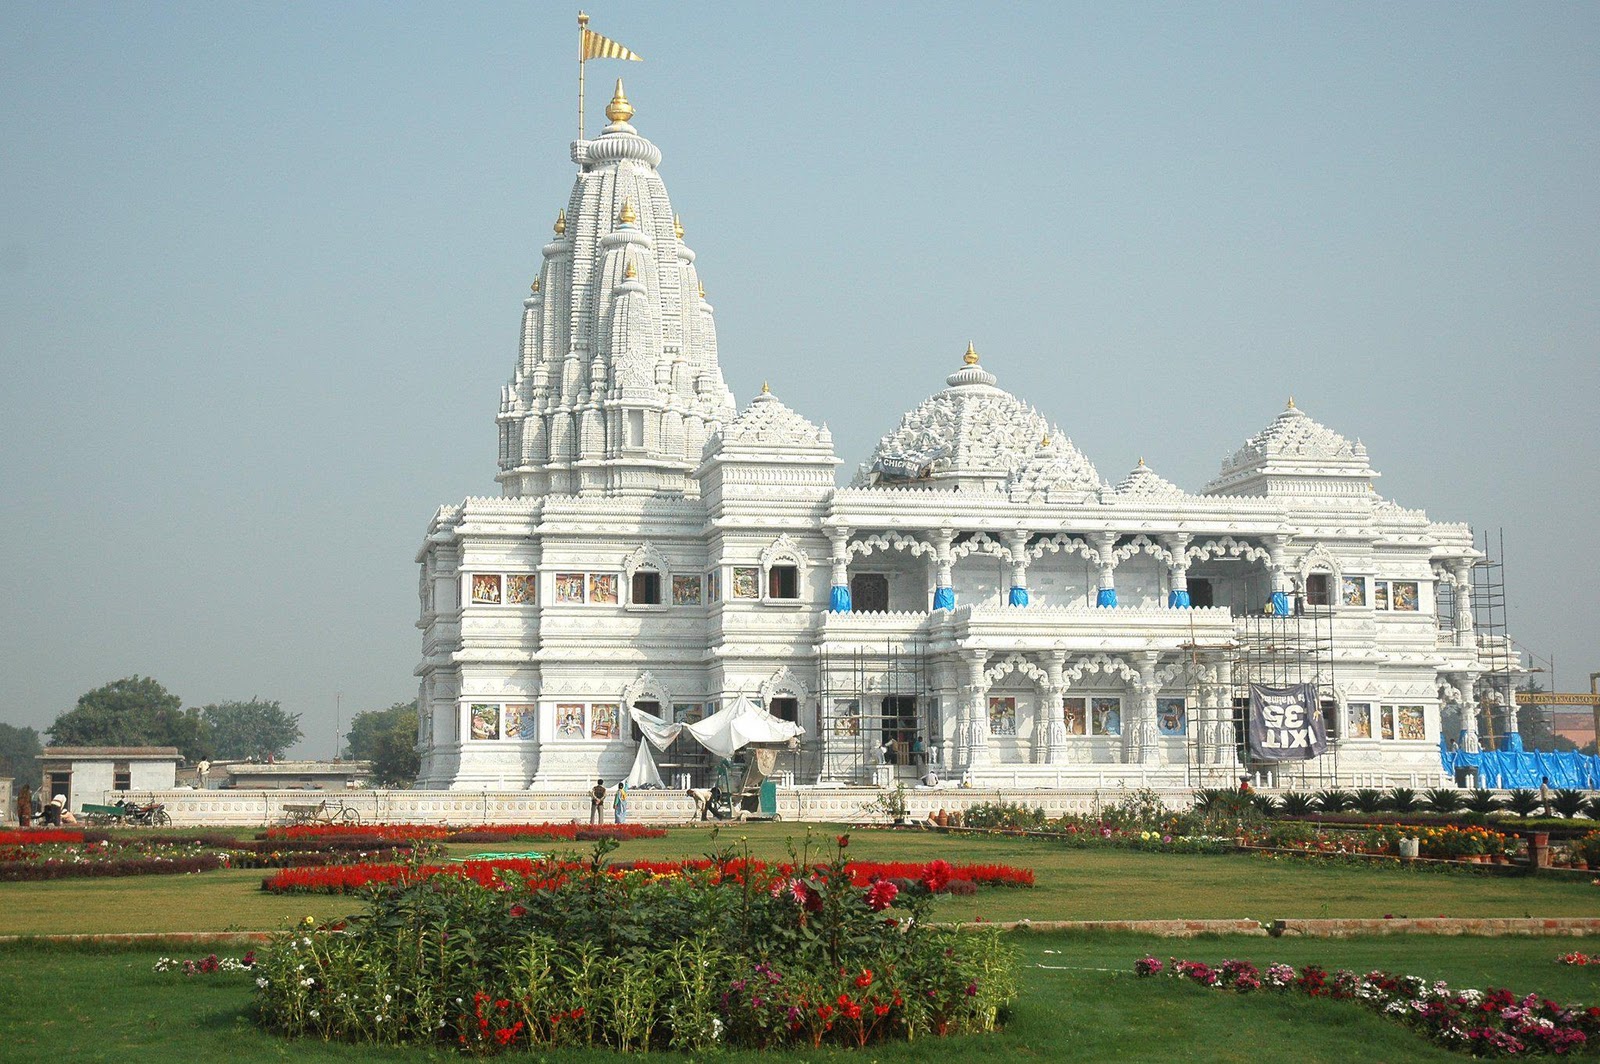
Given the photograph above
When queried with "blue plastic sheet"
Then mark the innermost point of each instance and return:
(1019, 596)
(1526, 768)
(1178, 599)
(839, 599)
(944, 598)
(1106, 597)
(1280, 603)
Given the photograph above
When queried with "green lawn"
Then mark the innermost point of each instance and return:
(1071, 885)
(1080, 1002)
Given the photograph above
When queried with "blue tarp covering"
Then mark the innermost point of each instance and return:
(1178, 600)
(1280, 603)
(944, 598)
(1526, 768)
(839, 599)
(1106, 597)
(1019, 596)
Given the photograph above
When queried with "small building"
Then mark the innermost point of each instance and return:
(291, 775)
(8, 803)
(100, 775)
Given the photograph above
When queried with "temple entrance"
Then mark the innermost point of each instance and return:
(900, 730)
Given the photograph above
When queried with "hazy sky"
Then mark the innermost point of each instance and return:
(262, 265)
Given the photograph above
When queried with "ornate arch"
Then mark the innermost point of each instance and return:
(1319, 559)
(1142, 544)
(1101, 663)
(645, 556)
(1064, 543)
(1016, 663)
(979, 543)
(1227, 547)
(890, 541)
(783, 682)
(782, 549)
(647, 688)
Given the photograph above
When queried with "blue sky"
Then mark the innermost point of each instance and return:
(261, 267)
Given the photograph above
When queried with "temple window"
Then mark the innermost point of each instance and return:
(647, 588)
(1318, 590)
(1200, 592)
(869, 592)
(783, 582)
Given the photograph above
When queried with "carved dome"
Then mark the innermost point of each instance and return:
(768, 424)
(1295, 455)
(1145, 483)
(974, 434)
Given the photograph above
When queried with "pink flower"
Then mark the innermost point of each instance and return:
(881, 895)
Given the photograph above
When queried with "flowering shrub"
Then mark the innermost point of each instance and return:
(209, 965)
(1448, 841)
(936, 876)
(734, 953)
(1578, 958)
(35, 836)
(481, 833)
(1482, 1022)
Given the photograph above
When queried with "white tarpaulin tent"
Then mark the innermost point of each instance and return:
(644, 772)
(725, 732)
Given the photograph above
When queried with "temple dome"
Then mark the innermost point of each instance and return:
(1145, 483)
(1295, 454)
(768, 424)
(973, 434)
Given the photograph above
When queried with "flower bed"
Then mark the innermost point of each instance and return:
(637, 961)
(23, 871)
(345, 879)
(36, 836)
(480, 833)
(1447, 842)
(1492, 1022)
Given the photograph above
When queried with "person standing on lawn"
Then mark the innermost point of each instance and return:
(619, 803)
(597, 799)
(25, 807)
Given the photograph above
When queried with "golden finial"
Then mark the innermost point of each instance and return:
(535, 286)
(971, 357)
(702, 289)
(627, 216)
(765, 390)
(677, 226)
(1291, 402)
(1046, 441)
(629, 272)
(619, 109)
(1141, 461)
(561, 223)
(583, 20)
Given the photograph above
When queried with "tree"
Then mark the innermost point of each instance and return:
(19, 747)
(249, 729)
(133, 711)
(387, 738)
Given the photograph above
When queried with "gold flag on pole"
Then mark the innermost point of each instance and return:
(595, 46)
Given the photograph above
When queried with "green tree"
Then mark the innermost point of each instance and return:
(387, 738)
(249, 729)
(18, 749)
(133, 711)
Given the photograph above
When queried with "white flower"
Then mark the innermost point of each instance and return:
(387, 999)
(261, 982)
(315, 1015)
(308, 981)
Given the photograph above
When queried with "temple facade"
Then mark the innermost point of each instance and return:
(978, 600)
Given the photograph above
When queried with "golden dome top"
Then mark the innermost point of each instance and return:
(627, 216)
(561, 223)
(677, 226)
(619, 109)
(971, 357)
(535, 286)
(765, 389)
(1045, 442)
(702, 289)
(629, 272)
(1141, 461)
(1291, 402)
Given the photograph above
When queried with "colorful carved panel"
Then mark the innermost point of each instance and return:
(746, 582)
(603, 720)
(686, 591)
(569, 588)
(521, 721)
(522, 589)
(1106, 715)
(485, 721)
(1172, 716)
(570, 720)
(486, 589)
(1002, 715)
(602, 589)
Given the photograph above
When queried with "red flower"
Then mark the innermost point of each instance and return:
(881, 895)
(518, 912)
(844, 840)
(864, 980)
(824, 1011)
(880, 1010)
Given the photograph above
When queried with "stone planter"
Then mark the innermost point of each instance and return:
(1408, 849)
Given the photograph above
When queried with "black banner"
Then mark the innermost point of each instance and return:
(1286, 723)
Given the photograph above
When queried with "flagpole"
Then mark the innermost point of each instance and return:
(583, 21)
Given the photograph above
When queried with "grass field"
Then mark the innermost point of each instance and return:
(1079, 1002)
(1080, 999)
(1092, 884)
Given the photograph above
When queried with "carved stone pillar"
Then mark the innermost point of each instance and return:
(1280, 578)
(1105, 546)
(1463, 691)
(1177, 544)
(944, 590)
(1224, 748)
(839, 592)
(1139, 744)
(975, 692)
(1462, 573)
(1017, 544)
(1053, 725)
